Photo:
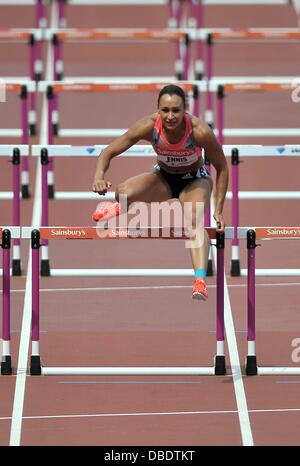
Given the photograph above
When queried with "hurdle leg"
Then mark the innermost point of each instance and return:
(175, 20)
(197, 22)
(186, 57)
(32, 97)
(25, 140)
(235, 270)
(45, 266)
(50, 111)
(209, 113)
(220, 114)
(62, 20)
(16, 262)
(6, 368)
(220, 367)
(58, 66)
(251, 363)
(40, 21)
(35, 360)
(210, 269)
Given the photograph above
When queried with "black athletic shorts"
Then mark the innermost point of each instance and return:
(177, 182)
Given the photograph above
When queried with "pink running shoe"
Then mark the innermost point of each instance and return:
(199, 290)
(106, 210)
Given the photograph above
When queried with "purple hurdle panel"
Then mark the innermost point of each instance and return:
(6, 234)
(6, 368)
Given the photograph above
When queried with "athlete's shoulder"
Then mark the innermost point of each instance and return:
(144, 126)
(201, 129)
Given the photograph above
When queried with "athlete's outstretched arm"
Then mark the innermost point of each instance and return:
(213, 150)
(142, 129)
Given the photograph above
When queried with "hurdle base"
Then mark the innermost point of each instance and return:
(16, 268)
(6, 368)
(251, 365)
(235, 270)
(32, 129)
(25, 191)
(220, 366)
(35, 365)
(45, 268)
(209, 270)
(51, 191)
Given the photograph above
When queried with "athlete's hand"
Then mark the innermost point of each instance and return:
(101, 186)
(220, 223)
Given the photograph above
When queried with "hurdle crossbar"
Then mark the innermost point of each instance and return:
(236, 195)
(267, 84)
(219, 85)
(181, 38)
(234, 151)
(165, 2)
(251, 234)
(36, 235)
(247, 34)
(227, 132)
(146, 150)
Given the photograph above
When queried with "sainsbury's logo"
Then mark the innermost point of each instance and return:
(2, 91)
(295, 96)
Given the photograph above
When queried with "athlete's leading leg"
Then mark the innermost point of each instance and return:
(146, 187)
(194, 198)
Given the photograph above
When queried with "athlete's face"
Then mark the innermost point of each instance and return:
(171, 110)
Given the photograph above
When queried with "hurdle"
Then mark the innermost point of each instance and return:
(58, 37)
(80, 85)
(33, 38)
(212, 36)
(235, 152)
(15, 152)
(174, 7)
(51, 151)
(216, 85)
(23, 88)
(53, 88)
(36, 235)
(6, 234)
(262, 233)
(236, 195)
(254, 84)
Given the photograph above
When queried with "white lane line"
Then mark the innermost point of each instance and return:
(238, 384)
(158, 287)
(18, 405)
(172, 413)
(127, 382)
(287, 381)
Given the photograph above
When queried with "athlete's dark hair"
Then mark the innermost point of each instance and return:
(172, 89)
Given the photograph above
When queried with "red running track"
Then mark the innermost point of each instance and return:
(93, 321)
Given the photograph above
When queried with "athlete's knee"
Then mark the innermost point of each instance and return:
(122, 191)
